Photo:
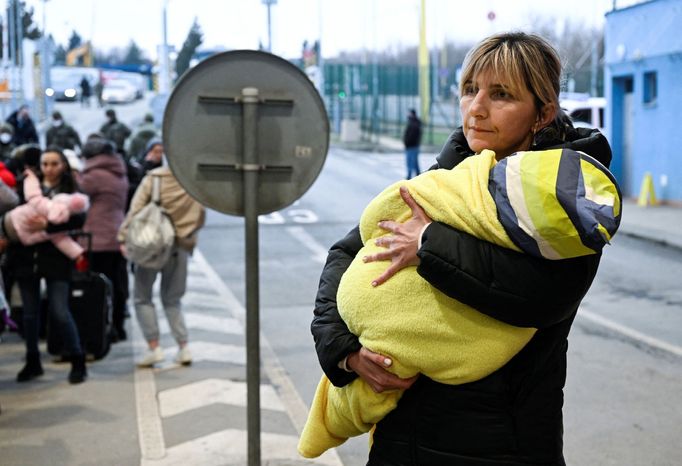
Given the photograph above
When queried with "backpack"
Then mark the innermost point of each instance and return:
(151, 233)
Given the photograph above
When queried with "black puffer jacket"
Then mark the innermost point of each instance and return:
(512, 417)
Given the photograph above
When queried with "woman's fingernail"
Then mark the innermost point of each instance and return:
(364, 258)
(374, 283)
(387, 362)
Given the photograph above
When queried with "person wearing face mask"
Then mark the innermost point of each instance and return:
(24, 128)
(115, 131)
(61, 134)
(6, 144)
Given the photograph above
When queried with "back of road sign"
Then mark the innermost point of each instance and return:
(203, 131)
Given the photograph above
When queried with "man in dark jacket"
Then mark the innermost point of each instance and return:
(412, 139)
(115, 131)
(62, 134)
(24, 129)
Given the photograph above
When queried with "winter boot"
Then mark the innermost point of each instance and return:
(32, 368)
(78, 370)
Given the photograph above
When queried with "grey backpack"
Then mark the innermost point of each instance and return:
(151, 233)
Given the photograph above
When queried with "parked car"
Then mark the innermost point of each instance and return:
(64, 85)
(587, 112)
(118, 91)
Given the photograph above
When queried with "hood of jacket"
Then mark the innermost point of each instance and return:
(587, 140)
(113, 163)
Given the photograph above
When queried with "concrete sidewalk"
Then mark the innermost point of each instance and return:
(660, 223)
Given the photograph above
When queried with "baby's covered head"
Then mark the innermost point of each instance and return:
(78, 203)
(63, 205)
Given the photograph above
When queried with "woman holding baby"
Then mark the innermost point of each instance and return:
(30, 263)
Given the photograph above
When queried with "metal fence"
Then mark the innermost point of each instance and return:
(377, 97)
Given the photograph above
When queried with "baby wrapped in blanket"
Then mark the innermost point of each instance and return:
(554, 204)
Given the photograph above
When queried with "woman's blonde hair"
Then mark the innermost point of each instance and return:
(517, 59)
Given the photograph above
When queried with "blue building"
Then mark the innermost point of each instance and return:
(643, 87)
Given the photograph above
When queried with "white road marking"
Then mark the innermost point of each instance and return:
(206, 322)
(297, 409)
(217, 324)
(212, 391)
(152, 444)
(216, 352)
(306, 239)
(228, 447)
(631, 333)
(204, 299)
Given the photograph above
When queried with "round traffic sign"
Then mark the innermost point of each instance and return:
(204, 130)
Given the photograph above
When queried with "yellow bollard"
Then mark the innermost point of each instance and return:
(647, 196)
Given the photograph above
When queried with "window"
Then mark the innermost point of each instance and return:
(582, 114)
(650, 87)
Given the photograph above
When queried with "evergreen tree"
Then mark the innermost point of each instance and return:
(133, 55)
(60, 55)
(29, 30)
(192, 42)
(74, 41)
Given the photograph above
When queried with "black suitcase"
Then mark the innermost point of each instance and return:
(90, 303)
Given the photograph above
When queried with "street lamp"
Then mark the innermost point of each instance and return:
(268, 3)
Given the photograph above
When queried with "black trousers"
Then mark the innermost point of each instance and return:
(113, 265)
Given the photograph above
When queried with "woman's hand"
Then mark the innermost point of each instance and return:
(371, 367)
(402, 245)
(36, 222)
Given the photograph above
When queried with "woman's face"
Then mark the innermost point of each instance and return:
(52, 167)
(155, 154)
(497, 118)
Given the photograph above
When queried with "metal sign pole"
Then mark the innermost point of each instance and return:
(251, 168)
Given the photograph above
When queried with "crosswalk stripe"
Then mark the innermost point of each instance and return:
(229, 447)
(213, 391)
(297, 409)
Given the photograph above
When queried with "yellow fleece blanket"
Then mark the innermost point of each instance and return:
(420, 328)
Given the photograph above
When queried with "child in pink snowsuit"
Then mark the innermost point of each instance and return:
(56, 210)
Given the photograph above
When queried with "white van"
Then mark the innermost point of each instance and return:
(586, 112)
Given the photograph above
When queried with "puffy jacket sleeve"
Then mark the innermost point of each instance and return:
(509, 286)
(333, 340)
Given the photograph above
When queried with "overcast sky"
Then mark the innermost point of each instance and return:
(341, 24)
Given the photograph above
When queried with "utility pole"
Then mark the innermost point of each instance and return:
(269, 3)
(164, 71)
(46, 106)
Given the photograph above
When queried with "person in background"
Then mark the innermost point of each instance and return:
(412, 139)
(30, 264)
(115, 131)
(99, 88)
(153, 155)
(6, 144)
(61, 134)
(26, 156)
(24, 128)
(85, 92)
(509, 95)
(104, 179)
(75, 161)
(188, 217)
(152, 158)
(57, 210)
(8, 200)
(144, 133)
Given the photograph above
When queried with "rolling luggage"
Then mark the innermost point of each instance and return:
(90, 303)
